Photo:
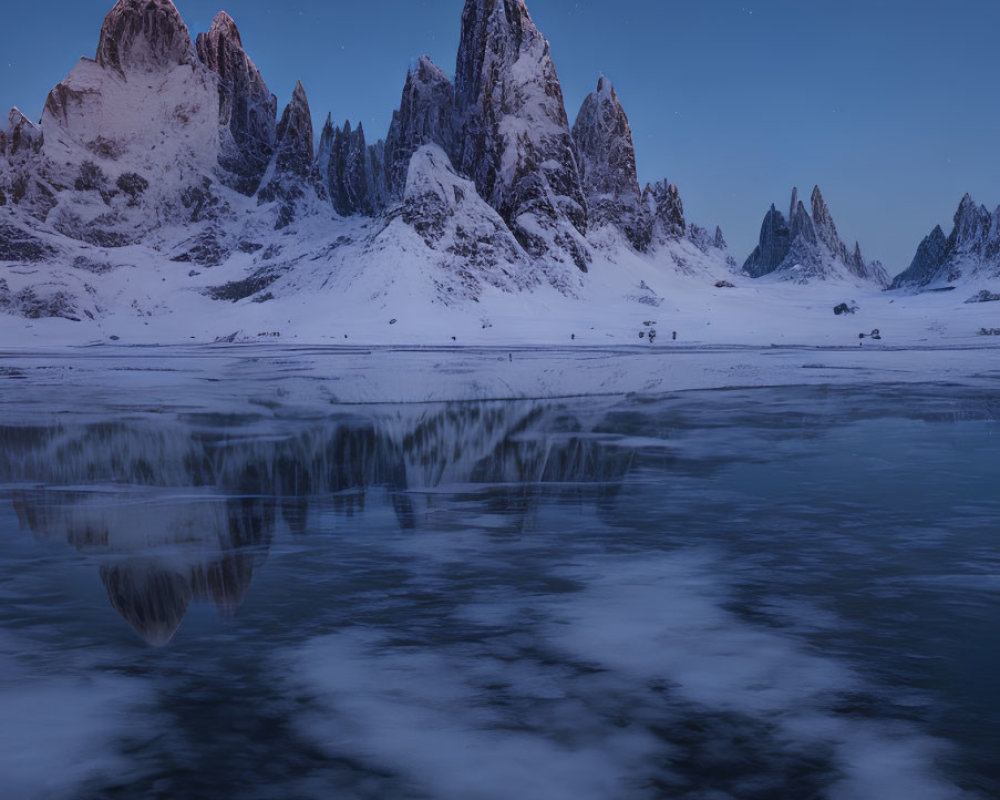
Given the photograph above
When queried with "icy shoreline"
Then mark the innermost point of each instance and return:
(279, 379)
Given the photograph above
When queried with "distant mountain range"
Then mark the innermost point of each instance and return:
(166, 151)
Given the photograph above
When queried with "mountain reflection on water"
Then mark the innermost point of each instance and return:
(185, 510)
(763, 594)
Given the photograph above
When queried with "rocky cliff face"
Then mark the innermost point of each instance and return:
(808, 247)
(606, 158)
(352, 173)
(775, 242)
(291, 167)
(247, 109)
(515, 141)
(426, 115)
(144, 35)
(972, 250)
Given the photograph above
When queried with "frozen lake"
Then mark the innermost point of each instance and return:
(269, 576)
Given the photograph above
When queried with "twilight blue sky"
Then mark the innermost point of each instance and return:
(890, 105)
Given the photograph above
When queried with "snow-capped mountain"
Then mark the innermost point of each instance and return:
(162, 180)
(971, 251)
(514, 139)
(808, 247)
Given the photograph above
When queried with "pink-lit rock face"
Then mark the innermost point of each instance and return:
(144, 34)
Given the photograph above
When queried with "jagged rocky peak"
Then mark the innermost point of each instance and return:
(21, 135)
(826, 230)
(719, 240)
(606, 159)
(324, 156)
(972, 225)
(972, 249)
(145, 107)
(144, 34)
(152, 598)
(247, 109)
(291, 168)
(223, 29)
(775, 241)
(515, 139)
(932, 255)
(664, 211)
(426, 115)
(351, 172)
(801, 223)
(294, 154)
(808, 246)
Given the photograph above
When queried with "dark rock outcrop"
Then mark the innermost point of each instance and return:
(664, 211)
(515, 140)
(606, 158)
(38, 303)
(20, 246)
(144, 34)
(247, 109)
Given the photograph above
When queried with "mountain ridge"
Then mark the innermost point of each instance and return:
(166, 150)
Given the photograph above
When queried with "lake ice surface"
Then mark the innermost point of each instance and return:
(233, 580)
